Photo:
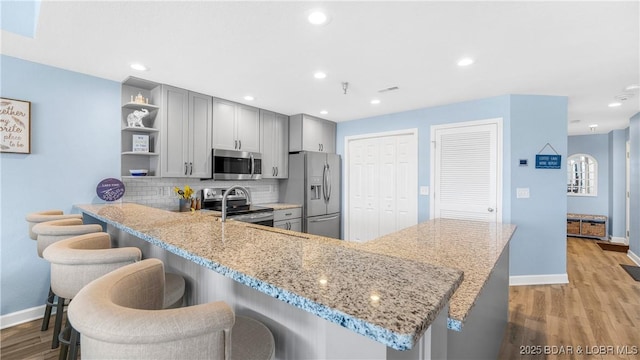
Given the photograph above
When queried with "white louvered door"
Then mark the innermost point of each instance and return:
(466, 172)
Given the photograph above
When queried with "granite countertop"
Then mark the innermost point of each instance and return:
(389, 299)
(471, 246)
(281, 206)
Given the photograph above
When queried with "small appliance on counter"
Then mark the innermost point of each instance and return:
(238, 206)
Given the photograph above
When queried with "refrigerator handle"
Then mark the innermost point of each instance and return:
(324, 182)
(328, 183)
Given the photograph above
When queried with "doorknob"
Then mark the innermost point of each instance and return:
(490, 209)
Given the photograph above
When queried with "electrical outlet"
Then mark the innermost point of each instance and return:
(424, 190)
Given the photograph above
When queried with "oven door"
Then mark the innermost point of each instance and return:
(259, 218)
(236, 165)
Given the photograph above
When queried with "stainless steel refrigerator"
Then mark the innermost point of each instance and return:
(314, 182)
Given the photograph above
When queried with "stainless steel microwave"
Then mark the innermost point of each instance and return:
(236, 165)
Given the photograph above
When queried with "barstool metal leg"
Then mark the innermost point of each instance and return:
(74, 342)
(58, 325)
(47, 310)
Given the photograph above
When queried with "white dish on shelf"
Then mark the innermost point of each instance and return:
(138, 172)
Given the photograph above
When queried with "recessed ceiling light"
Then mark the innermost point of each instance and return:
(465, 62)
(139, 67)
(319, 75)
(375, 101)
(615, 104)
(593, 125)
(632, 87)
(249, 98)
(324, 112)
(317, 17)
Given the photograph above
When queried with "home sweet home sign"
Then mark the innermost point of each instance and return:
(15, 126)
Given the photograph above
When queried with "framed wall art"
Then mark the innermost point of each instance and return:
(15, 126)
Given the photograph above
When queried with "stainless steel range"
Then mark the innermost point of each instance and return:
(238, 206)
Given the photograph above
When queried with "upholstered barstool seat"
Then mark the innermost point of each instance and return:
(36, 218)
(120, 317)
(249, 331)
(47, 215)
(78, 260)
(47, 233)
(174, 287)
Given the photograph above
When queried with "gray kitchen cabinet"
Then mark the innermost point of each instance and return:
(186, 133)
(288, 219)
(310, 133)
(235, 126)
(274, 145)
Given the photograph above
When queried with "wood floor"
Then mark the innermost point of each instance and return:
(26, 341)
(598, 311)
(599, 307)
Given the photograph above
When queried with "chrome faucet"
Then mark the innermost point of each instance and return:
(227, 192)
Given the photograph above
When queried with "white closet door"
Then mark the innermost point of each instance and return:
(388, 185)
(382, 186)
(406, 181)
(465, 175)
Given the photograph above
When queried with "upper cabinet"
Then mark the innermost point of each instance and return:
(139, 143)
(274, 145)
(309, 133)
(236, 126)
(186, 119)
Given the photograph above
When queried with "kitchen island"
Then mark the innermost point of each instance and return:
(317, 295)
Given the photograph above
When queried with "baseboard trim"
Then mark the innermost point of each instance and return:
(618, 240)
(635, 258)
(519, 280)
(22, 316)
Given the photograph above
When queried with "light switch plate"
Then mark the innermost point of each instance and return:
(424, 190)
(522, 193)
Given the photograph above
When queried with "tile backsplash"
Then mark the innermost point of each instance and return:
(158, 192)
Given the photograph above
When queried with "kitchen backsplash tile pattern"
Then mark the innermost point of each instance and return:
(158, 192)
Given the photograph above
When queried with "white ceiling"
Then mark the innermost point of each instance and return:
(588, 51)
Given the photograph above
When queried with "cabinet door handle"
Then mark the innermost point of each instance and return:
(190, 168)
(319, 147)
(288, 214)
(239, 144)
(186, 168)
(288, 225)
(235, 144)
(273, 171)
(276, 171)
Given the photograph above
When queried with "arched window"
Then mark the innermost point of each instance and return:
(582, 179)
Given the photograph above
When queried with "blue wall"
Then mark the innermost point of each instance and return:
(634, 213)
(539, 245)
(598, 147)
(529, 122)
(75, 142)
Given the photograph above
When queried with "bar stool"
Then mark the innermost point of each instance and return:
(49, 232)
(119, 317)
(78, 260)
(36, 218)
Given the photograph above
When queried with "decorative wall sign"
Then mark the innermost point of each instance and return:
(110, 189)
(15, 126)
(548, 161)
